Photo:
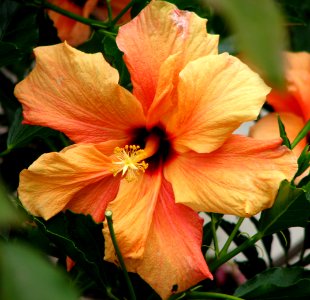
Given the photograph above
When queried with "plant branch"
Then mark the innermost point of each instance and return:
(123, 12)
(221, 260)
(215, 241)
(90, 22)
(108, 215)
(231, 237)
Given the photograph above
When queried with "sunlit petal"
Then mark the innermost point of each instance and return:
(159, 31)
(216, 94)
(295, 99)
(241, 178)
(78, 94)
(172, 260)
(133, 211)
(55, 180)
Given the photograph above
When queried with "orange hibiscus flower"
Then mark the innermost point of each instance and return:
(74, 32)
(292, 105)
(159, 155)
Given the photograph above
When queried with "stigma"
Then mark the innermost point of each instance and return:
(129, 162)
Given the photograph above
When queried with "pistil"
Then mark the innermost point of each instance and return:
(130, 160)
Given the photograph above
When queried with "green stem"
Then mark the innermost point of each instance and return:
(120, 15)
(5, 152)
(231, 237)
(301, 135)
(221, 260)
(93, 23)
(109, 10)
(208, 295)
(108, 215)
(215, 241)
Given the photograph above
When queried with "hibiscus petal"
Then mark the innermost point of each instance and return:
(172, 260)
(75, 33)
(267, 128)
(159, 31)
(240, 178)
(56, 180)
(78, 94)
(132, 210)
(296, 98)
(216, 94)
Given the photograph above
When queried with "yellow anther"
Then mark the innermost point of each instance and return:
(129, 161)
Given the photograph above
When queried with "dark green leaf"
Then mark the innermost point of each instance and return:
(291, 209)
(8, 214)
(21, 134)
(8, 102)
(26, 275)
(7, 9)
(18, 32)
(94, 44)
(283, 134)
(138, 6)
(259, 32)
(303, 133)
(9, 54)
(304, 182)
(23, 29)
(79, 238)
(250, 268)
(277, 283)
(303, 161)
(115, 57)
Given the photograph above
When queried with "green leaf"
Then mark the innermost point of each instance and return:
(18, 32)
(80, 238)
(259, 32)
(7, 100)
(8, 214)
(303, 161)
(26, 275)
(115, 57)
(291, 209)
(277, 284)
(9, 53)
(7, 9)
(21, 134)
(283, 134)
(303, 133)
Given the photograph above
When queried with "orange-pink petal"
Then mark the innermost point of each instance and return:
(133, 210)
(56, 180)
(159, 31)
(296, 97)
(75, 33)
(240, 178)
(172, 260)
(216, 93)
(78, 94)
(267, 128)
